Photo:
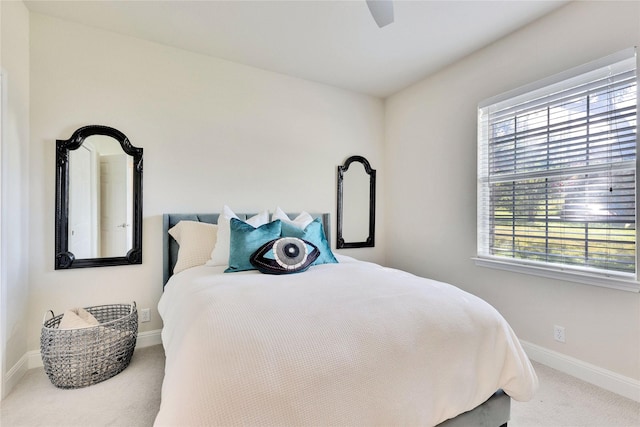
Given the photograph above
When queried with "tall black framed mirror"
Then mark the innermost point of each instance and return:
(98, 199)
(356, 204)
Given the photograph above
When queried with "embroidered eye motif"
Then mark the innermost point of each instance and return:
(285, 255)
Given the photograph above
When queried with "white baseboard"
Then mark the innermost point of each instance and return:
(14, 375)
(608, 380)
(149, 338)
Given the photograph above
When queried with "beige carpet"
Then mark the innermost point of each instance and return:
(565, 401)
(132, 398)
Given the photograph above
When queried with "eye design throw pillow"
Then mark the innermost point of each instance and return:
(284, 256)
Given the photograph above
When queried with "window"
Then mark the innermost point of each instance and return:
(557, 175)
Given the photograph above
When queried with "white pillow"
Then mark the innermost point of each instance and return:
(301, 221)
(220, 253)
(196, 240)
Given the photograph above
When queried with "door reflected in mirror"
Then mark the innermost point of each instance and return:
(100, 199)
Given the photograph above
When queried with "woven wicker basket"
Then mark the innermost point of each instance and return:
(75, 358)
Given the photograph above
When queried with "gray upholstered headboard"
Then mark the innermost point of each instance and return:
(170, 246)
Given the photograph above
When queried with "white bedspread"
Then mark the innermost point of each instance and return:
(343, 344)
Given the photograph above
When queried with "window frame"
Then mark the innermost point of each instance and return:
(584, 275)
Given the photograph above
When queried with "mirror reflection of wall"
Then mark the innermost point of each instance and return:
(100, 199)
(355, 204)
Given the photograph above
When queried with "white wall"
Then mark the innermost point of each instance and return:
(213, 132)
(430, 162)
(14, 209)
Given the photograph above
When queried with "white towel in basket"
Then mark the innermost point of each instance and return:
(76, 318)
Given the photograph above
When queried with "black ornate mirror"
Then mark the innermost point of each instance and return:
(356, 204)
(98, 199)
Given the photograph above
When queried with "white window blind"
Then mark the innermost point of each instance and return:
(557, 172)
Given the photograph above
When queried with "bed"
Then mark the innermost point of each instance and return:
(346, 343)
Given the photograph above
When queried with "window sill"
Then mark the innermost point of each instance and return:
(620, 283)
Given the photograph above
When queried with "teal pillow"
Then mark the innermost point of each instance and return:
(246, 239)
(314, 233)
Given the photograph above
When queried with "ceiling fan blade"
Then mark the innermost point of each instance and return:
(382, 11)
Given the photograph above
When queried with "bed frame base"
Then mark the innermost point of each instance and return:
(492, 413)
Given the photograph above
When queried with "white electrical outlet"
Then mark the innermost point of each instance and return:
(145, 315)
(558, 333)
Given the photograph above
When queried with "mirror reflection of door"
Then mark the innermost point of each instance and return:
(100, 199)
(116, 172)
(83, 203)
(355, 203)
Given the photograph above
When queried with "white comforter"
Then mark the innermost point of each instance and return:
(343, 344)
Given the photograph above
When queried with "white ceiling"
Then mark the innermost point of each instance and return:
(333, 42)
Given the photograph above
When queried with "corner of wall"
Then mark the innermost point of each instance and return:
(14, 116)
